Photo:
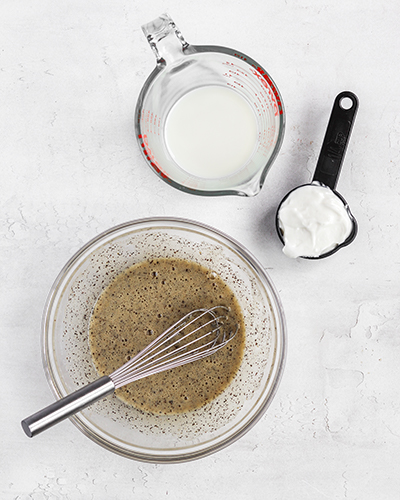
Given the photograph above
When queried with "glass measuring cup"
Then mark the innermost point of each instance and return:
(183, 68)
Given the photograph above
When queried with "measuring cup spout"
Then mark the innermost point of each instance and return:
(165, 39)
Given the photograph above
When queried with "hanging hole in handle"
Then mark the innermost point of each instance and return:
(346, 103)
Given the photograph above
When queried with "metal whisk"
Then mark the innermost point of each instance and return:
(195, 336)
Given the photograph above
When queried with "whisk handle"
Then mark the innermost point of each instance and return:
(65, 407)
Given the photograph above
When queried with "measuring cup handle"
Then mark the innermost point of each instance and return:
(165, 39)
(336, 138)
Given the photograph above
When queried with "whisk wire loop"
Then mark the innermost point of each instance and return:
(172, 348)
(141, 358)
(164, 363)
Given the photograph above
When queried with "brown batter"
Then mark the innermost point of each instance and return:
(138, 306)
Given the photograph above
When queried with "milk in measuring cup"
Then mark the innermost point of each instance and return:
(211, 132)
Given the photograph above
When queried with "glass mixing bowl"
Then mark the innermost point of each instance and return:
(120, 427)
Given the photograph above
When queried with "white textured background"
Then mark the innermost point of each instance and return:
(70, 73)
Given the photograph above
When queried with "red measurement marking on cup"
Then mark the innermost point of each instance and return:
(235, 84)
(240, 56)
(150, 122)
(264, 99)
(150, 157)
(261, 74)
(237, 78)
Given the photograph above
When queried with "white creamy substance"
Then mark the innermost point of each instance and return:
(211, 132)
(313, 221)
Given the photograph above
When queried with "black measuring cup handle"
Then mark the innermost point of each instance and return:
(336, 139)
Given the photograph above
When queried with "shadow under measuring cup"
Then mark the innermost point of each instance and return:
(209, 119)
(314, 221)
